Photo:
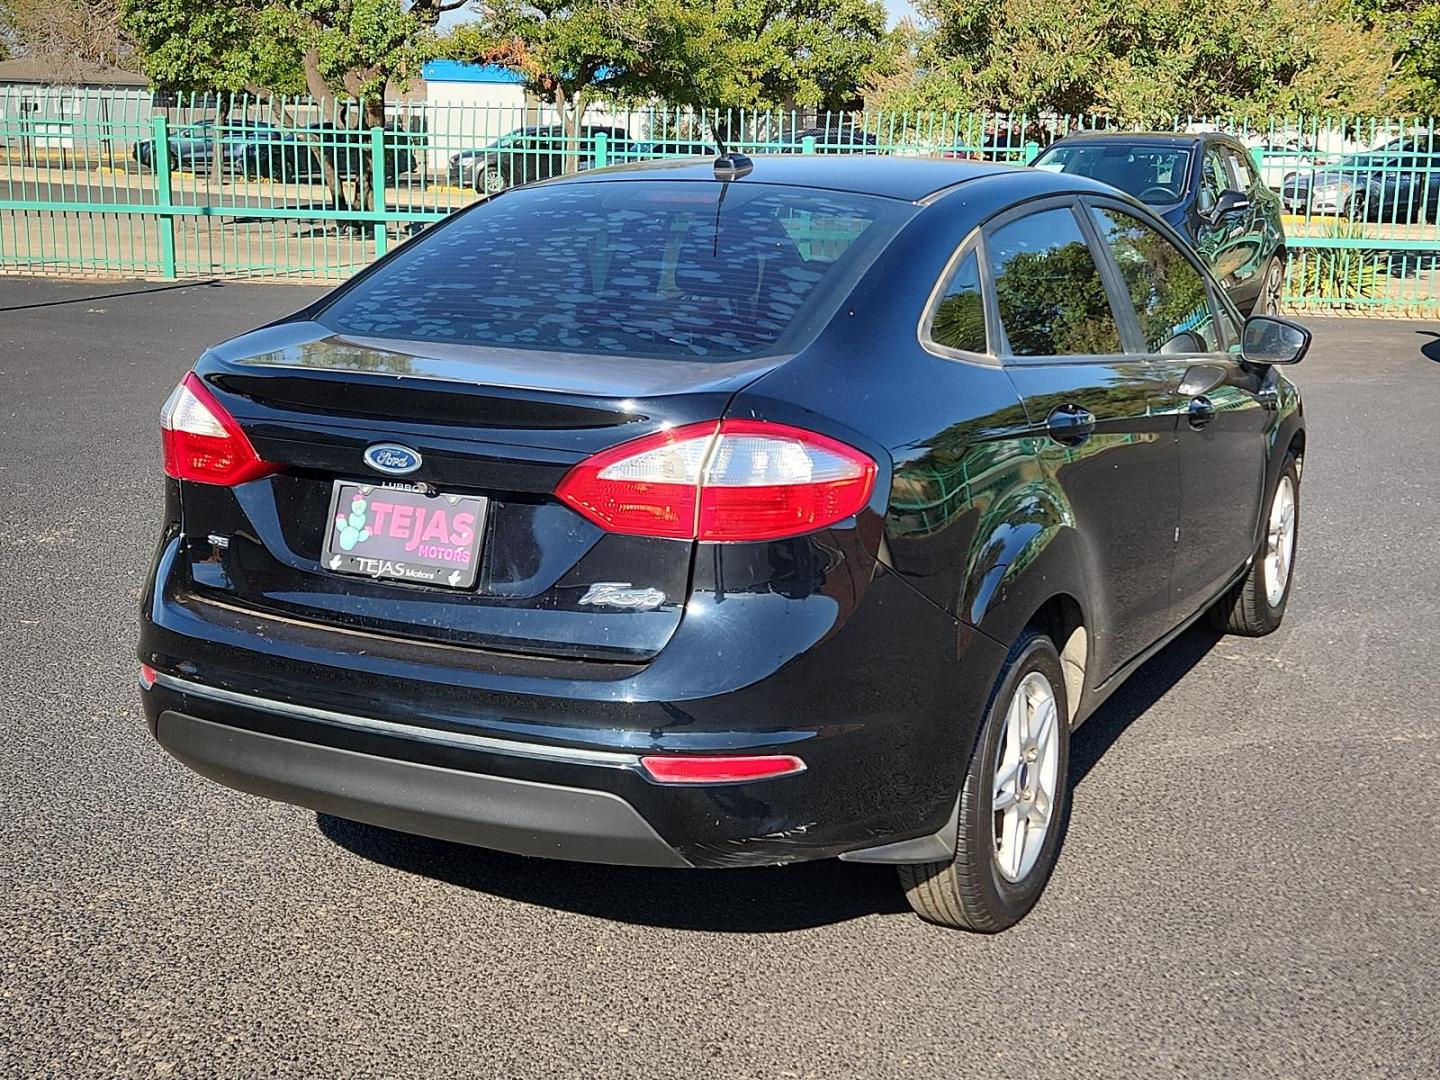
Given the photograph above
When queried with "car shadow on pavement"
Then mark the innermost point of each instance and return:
(1136, 695)
(1431, 349)
(759, 900)
(90, 293)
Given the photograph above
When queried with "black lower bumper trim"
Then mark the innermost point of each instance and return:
(518, 816)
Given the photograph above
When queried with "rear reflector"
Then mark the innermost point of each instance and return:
(147, 676)
(674, 769)
(728, 480)
(203, 443)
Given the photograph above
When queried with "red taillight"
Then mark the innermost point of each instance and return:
(726, 480)
(147, 676)
(203, 442)
(675, 769)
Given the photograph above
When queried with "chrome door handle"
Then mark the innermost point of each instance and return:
(1201, 411)
(1070, 425)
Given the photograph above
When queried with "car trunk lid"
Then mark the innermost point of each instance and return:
(491, 424)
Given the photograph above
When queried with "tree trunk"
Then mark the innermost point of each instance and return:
(320, 91)
(572, 116)
(372, 116)
(217, 151)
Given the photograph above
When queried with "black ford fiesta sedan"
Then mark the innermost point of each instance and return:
(722, 514)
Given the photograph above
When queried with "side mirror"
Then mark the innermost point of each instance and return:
(1268, 340)
(1230, 202)
(1187, 341)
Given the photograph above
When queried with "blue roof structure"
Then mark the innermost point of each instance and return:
(459, 71)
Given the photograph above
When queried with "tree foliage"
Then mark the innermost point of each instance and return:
(1145, 61)
(1413, 26)
(340, 49)
(709, 53)
(69, 36)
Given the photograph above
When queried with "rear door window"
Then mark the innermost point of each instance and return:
(1049, 292)
(1217, 172)
(675, 270)
(1242, 175)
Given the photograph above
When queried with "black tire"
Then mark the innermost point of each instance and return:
(1272, 283)
(1246, 609)
(174, 160)
(970, 892)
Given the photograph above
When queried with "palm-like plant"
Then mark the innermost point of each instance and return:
(1341, 275)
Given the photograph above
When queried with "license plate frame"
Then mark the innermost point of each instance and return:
(434, 560)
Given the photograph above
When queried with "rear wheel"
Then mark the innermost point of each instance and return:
(1255, 606)
(1012, 802)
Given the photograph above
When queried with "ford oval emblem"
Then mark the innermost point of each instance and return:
(392, 458)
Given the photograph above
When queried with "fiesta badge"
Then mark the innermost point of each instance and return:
(392, 458)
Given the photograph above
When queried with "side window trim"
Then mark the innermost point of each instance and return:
(971, 245)
(1095, 203)
(999, 343)
(1131, 336)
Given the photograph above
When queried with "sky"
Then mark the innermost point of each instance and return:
(898, 10)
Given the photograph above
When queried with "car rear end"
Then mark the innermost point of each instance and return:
(519, 563)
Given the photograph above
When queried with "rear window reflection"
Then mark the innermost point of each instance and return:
(635, 268)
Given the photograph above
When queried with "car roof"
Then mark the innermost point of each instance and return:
(910, 179)
(1150, 138)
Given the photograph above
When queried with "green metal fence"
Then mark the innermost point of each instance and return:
(110, 182)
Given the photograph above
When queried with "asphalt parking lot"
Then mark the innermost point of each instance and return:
(1250, 886)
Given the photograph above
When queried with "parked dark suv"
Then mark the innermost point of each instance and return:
(717, 514)
(1207, 187)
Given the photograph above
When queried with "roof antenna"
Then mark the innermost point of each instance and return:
(729, 165)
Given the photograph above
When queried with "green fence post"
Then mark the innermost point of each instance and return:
(602, 150)
(807, 144)
(164, 193)
(1032, 151)
(377, 186)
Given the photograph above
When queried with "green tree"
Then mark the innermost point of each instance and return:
(338, 51)
(759, 54)
(571, 52)
(709, 53)
(1413, 28)
(1146, 61)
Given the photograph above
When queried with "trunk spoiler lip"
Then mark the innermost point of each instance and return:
(278, 347)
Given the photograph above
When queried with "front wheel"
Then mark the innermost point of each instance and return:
(1272, 283)
(1012, 802)
(1255, 605)
(491, 180)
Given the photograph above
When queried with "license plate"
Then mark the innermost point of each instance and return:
(404, 534)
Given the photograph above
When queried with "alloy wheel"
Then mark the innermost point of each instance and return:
(1274, 283)
(1280, 542)
(1025, 776)
(492, 180)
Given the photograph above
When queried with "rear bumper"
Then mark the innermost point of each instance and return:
(519, 816)
(876, 690)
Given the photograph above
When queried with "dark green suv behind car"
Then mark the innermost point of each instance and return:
(1205, 185)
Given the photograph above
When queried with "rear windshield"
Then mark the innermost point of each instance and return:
(637, 268)
(1153, 174)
